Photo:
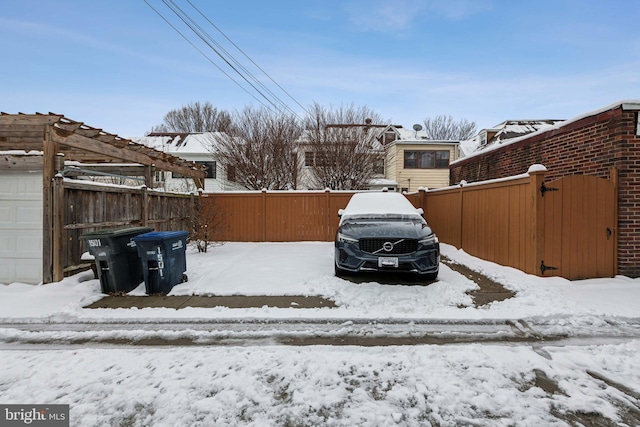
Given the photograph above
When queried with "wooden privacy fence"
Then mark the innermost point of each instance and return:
(562, 228)
(80, 208)
(272, 216)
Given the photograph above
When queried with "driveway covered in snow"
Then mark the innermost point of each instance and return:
(236, 371)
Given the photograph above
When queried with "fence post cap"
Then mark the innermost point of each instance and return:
(537, 168)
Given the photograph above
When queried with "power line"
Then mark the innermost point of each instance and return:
(202, 53)
(260, 88)
(247, 56)
(184, 18)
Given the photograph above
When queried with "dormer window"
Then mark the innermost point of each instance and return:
(389, 136)
(483, 138)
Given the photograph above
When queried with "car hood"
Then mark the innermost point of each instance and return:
(406, 229)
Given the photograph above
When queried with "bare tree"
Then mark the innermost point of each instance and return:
(209, 225)
(446, 128)
(194, 117)
(341, 148)
(260, 147)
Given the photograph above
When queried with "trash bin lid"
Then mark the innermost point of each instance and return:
(160, 235)
(120, 231)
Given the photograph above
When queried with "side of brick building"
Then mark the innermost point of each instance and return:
(591, 144)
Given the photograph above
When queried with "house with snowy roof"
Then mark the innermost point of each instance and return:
(414, 161)
(195, 147)
(409, 160)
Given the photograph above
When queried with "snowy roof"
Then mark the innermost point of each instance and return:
(515, 128)
(505, 131)
(633, 105)
(410, 134)
(382, 181)
(179, 143)
(375, 204)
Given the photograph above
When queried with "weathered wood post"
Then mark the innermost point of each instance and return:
(144, 206)
(50, 150)
(58, 243)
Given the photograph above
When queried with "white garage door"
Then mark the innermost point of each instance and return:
(20, 227)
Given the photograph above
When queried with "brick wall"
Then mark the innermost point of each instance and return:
(591, 146)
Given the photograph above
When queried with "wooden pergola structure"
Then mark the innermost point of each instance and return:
(55, 135)
(59, 139)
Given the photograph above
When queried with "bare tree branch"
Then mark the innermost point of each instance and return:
(261, 147)
(445, 128)
(194, 117)
(344, 146)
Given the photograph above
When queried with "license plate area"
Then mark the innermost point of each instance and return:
(385, 261)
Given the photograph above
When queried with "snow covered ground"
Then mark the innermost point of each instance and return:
(472, 384)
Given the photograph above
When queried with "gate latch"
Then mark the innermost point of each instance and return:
(544, 189)
(544, 268)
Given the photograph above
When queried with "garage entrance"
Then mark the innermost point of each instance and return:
(21, 227)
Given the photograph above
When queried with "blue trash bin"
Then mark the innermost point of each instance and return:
(163, 257)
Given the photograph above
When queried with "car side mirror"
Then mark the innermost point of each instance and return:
(340, 212)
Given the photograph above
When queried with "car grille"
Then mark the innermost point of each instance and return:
(406, 246)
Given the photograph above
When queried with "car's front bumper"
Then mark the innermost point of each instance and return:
(425, 260)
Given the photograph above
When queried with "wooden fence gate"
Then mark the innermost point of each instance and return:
(580, 217)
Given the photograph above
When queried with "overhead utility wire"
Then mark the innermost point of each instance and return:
(246, 56)
(208, 40)
(218, 53)
(203, 54)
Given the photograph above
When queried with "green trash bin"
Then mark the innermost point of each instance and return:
(116, 256)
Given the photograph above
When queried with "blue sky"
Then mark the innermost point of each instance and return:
(116, 65)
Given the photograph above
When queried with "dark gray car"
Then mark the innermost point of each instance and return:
(383, 232)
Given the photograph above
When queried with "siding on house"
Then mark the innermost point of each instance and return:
(412, 178)
(591, 144)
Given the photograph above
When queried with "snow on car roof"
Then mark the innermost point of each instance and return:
(379, 204)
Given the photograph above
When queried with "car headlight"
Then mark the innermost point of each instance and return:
(346, 239)
(429, 240)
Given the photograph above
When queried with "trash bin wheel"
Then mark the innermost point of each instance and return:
(185, 278)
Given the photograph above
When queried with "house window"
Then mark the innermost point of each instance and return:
(426, 159)
(159, 176)
(442, 159)
(389, 136)
(378, 167)
(312, 158)
(210, 168)
(309, 158)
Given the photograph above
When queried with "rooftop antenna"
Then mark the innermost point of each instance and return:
(417, 127)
